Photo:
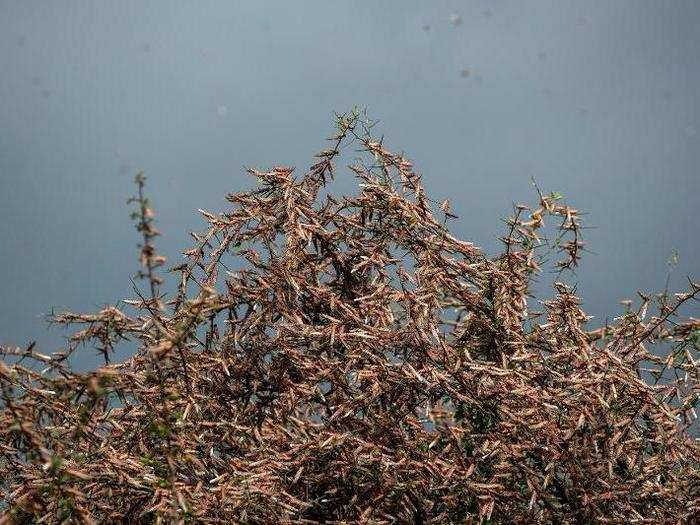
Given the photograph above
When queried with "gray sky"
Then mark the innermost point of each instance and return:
(596, 99)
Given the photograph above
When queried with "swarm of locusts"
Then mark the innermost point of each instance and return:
(348, 360)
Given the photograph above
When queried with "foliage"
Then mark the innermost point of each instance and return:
(349, 360)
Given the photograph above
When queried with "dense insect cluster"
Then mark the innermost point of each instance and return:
(348, 360)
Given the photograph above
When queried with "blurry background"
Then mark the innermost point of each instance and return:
(597, 100)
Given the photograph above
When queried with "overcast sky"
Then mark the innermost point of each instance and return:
(597, 100)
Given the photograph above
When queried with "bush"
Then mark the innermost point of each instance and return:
(350, 360)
